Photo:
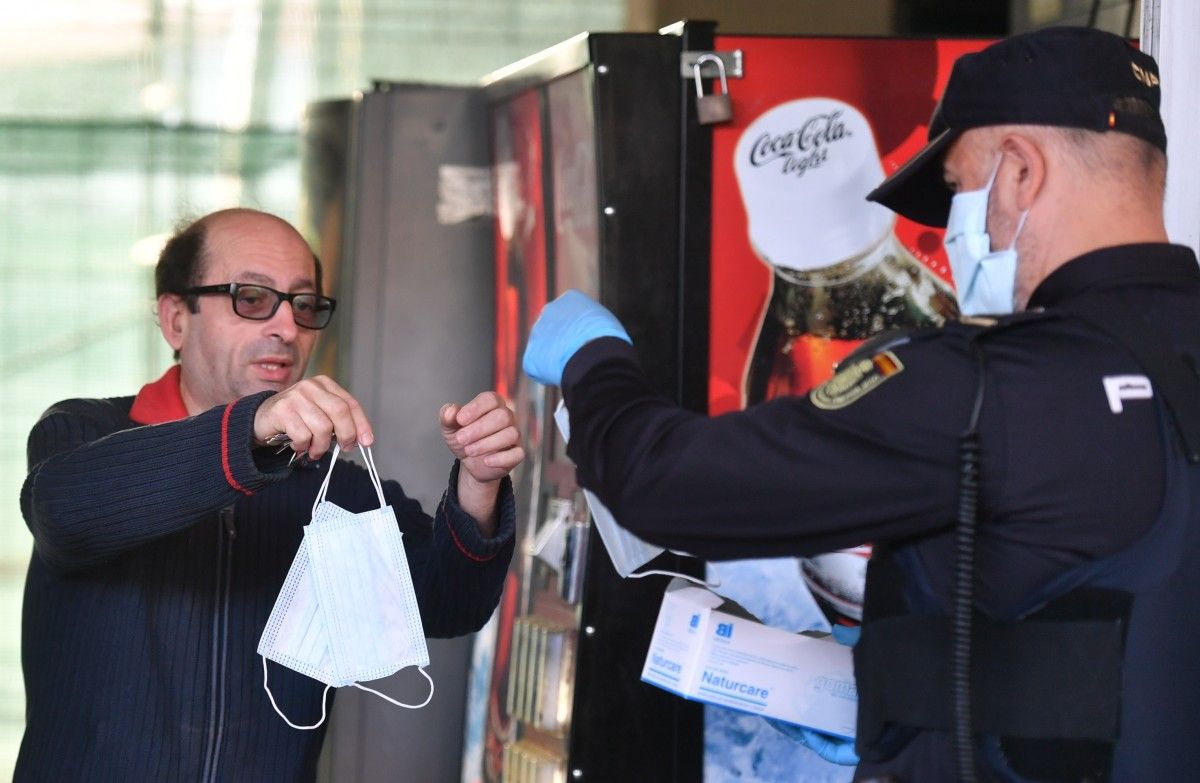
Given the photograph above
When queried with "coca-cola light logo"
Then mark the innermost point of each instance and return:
(803, 148)
(804, 168)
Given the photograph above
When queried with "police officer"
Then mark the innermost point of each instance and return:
(1029, 473)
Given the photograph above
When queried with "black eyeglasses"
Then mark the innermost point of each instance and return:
(259, 303)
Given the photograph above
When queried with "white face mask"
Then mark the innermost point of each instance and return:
(985, 278)
(627, 552)
(347, 611)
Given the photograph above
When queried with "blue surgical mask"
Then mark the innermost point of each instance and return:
(985, 278)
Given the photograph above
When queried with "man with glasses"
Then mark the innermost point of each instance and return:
(164, 525)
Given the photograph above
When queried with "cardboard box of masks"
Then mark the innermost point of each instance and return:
(709, 649)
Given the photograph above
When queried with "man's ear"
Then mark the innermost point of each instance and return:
(1030, 172)
(173, 314)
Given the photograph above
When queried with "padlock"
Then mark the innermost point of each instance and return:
(715, 108)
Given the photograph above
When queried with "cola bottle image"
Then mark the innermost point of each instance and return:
(840, 276)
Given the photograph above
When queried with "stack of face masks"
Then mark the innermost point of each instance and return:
(347, 612)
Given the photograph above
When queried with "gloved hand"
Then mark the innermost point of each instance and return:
(565, 326)
(835, 750)
(846, 634)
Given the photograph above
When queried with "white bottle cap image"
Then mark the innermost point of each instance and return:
(804, 169)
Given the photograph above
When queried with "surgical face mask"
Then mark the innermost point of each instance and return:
(985, 278)
(347, 611)
(627, 552)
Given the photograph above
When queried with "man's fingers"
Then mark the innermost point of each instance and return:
(362, 425)
(322, 430)
(328, 384)
(484, 433)
(483, 403)
(341, 413)
(448, 417)
(504, 439)
(486, 425)
(287, 418)
(505, 460)
(312, 413)
(338, 397)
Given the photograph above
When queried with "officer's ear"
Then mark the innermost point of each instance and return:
(1025, 172)
(173, 315)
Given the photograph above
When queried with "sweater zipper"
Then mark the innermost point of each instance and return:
(226, 533)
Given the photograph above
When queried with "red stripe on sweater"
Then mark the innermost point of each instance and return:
(225, 452)
(459, 544)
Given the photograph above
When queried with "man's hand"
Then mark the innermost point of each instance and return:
(483, 435)
(566, 325)
(312, 413)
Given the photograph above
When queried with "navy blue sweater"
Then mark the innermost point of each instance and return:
(158, 555)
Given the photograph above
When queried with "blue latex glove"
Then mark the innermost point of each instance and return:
(847, 635)
(565, 326)
(835, 750)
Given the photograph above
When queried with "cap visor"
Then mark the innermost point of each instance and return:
(918, 190)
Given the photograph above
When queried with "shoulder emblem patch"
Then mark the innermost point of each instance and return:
(855, 381)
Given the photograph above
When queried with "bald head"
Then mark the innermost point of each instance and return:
(181, 263)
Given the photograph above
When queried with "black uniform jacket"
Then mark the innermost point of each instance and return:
(1072, 456)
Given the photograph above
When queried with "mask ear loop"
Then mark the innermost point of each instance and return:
(398, 703)
(1017, 233)
(373, 472)
(694, 580)
(333, 458)
(995, 170)
(1025, 214)
(324, 700)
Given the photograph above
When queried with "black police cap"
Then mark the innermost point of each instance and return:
(1073, 77)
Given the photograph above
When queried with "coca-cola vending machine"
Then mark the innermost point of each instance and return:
(803, 270)
(745, 262)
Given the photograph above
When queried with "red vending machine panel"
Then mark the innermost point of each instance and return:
(803, 269)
